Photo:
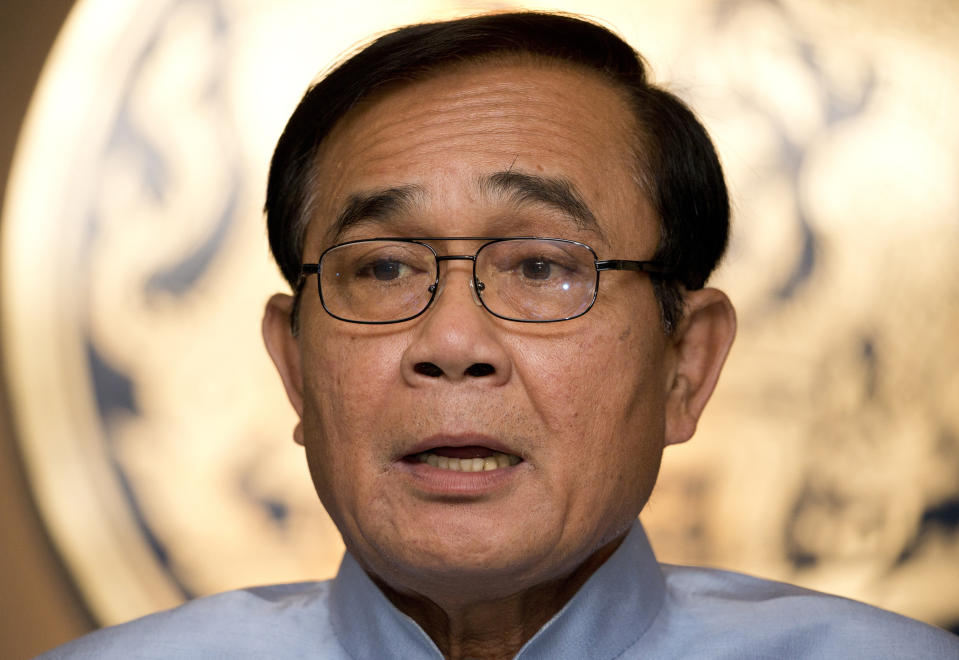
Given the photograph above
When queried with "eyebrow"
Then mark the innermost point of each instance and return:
(518, 187)
(555, 192)
(375, 205)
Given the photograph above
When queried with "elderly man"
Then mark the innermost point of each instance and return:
(498, 232)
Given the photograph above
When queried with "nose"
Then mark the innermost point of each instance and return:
(456, 340)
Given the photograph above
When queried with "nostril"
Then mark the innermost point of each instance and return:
(480, 369)
(427, 369)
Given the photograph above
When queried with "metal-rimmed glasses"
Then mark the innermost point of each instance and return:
(525, 278)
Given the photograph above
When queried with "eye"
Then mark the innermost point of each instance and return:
(535, 263)
(537, 268)
(383, 270)
(387, 270)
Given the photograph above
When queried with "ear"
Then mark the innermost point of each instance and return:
(701, 343)
(284, 350)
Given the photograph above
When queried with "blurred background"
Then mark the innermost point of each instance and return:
(146, 444)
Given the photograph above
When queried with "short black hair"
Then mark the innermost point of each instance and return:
(679, 170)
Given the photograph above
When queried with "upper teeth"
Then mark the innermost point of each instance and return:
(497, 460)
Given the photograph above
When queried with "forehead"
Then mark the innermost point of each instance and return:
(444, 139)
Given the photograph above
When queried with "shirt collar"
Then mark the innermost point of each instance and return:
(607, 615)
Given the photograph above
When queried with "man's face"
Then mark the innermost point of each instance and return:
(580, 403)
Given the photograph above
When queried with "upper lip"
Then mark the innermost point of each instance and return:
(461, 440)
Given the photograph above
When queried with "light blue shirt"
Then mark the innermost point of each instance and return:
(631, 607)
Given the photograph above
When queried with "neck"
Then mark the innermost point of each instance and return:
(494, 628)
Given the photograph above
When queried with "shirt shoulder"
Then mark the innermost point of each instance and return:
(717, 614)
(277, 621)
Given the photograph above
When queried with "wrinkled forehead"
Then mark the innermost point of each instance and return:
(520, 131)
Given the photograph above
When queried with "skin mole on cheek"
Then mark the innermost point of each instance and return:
(624, 335)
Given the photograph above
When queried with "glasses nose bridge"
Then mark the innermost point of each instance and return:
(456, 257)
(472, 281)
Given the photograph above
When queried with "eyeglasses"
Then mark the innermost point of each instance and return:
(525, 279)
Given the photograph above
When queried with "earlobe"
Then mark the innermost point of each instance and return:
(284, 350)
(701, 343)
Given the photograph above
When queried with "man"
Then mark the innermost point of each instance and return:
(498, 234)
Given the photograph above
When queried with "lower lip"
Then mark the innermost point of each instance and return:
(437, 481)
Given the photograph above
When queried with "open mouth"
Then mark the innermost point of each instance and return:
(465, 459)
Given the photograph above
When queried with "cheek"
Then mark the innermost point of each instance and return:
(601, 399)
(344, 378)
(599, 381)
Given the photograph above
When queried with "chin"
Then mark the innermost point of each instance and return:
(461, 559)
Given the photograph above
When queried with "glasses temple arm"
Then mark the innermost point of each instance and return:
(650, 267)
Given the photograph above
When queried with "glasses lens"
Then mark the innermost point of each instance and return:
(537, 279)
(377, 281)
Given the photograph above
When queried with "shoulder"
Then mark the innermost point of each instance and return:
(277, 621)
(751, 617)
